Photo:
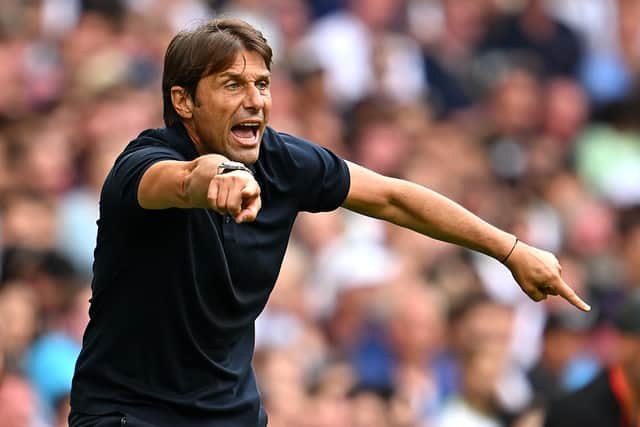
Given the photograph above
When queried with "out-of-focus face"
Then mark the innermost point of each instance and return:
(17, 318)
(231, 109)
(466, 18)
(566, 109)
(516, 104)
(481, 373)
(417, 326)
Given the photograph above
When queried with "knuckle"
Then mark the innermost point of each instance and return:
(539, 296)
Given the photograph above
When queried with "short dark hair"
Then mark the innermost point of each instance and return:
(210, 48)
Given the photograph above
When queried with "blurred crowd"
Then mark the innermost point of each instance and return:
(524, 111)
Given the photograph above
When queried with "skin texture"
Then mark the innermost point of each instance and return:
(427, 212)
(240, 94)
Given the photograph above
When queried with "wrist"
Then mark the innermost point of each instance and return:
(208, 164)
(230, 166)
(506, 257)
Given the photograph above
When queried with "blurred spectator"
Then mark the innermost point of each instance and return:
(566, 112)
(477, 403)
(363, 55)
(609, 399)
(257, 14)
(611, 63)
(631, 253)
(18, 323)
(28, 219)
(510, 393)
(566, 364)
(281, 323)
(283, 387)
(608, 154)
(18, 405)
(449, 50)
(538, 38)
(406, 353)
(51, 360)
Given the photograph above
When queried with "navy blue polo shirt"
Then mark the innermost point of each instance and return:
(176, 291)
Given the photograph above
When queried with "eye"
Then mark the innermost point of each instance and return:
(232, 86)
(262, 85)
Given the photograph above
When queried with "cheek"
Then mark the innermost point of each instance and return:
(266, 111)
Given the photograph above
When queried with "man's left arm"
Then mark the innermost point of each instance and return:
(432, 214)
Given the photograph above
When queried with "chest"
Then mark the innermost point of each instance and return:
(253, 251)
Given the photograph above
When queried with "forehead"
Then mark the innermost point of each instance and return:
(246, 63)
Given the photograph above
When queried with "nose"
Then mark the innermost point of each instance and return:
(253, 99)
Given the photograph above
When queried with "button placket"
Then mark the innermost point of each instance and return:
(228, 228)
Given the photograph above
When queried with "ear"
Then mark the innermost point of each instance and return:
(182, 102)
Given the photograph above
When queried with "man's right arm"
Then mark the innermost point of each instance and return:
(196, 184)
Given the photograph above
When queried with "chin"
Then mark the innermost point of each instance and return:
(248, 158)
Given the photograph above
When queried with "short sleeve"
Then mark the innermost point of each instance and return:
(321, 178)
(121, 186)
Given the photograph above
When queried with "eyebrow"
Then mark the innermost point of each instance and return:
(240, 76)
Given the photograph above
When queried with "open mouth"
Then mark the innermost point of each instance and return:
(246, 133)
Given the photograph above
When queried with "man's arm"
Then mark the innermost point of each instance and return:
(197, 184)
(420, 209)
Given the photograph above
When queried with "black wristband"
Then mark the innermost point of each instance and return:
(510, 252)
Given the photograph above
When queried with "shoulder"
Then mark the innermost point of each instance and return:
(282, 153)
(314, 175)
(280, 149)
(151, 146)
(274, 140)
(283, 145)
(162, 140)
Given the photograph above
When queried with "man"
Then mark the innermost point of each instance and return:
(612, 398)
(194, 222)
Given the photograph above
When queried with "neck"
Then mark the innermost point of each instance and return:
(193, 136)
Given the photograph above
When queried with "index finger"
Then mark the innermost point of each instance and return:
(250, 211)
(567, 293)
